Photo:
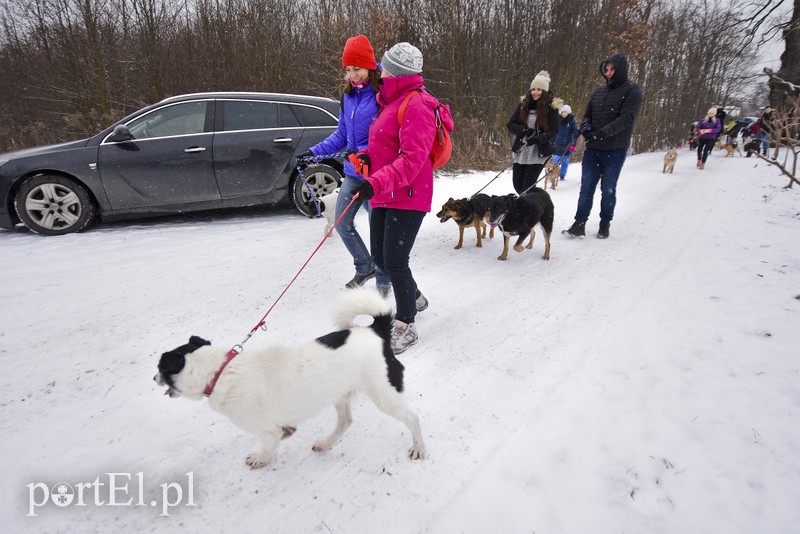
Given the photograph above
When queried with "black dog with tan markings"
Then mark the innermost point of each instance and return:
(518, 216)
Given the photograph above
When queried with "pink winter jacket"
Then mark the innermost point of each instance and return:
(400, 171)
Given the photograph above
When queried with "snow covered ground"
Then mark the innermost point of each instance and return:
(647, 383)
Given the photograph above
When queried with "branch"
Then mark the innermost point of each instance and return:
(774, 79)
(780, 166)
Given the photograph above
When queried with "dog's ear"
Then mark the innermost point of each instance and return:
(198, 341)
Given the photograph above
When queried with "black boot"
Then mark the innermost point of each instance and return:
(578, 229)
(602, 233)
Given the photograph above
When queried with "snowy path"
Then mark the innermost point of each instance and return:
(646, 383)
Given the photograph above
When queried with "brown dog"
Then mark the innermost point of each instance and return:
(730, 148)
(552, 172)
(467, 212)
(669, 160)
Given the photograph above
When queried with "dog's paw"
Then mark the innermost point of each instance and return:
(416, 453)
(457, 246)
(255, 461)
(518, 248)
(502, 258)
(322, 446)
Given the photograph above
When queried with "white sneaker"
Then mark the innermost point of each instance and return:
(422, 303)
(403, 336)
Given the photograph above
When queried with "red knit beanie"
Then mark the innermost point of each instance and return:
(359, 53)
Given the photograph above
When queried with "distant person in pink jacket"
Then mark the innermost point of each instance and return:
(707, 130)
(400, 179)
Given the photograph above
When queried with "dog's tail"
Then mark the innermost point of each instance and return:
(362, 301)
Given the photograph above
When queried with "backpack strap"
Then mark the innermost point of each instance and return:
(401, 111)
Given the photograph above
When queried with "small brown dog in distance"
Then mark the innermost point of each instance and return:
(669, 160)
(552, 172)
(730, 148)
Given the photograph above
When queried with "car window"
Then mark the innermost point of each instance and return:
(185, 118)
(288, 118)
(313, 116)
(244, 115)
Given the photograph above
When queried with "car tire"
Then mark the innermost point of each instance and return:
(54, 205)
(318, 180)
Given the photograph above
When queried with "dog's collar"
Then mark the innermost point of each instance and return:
(228, 357)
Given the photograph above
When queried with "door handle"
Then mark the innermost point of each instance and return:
(196, 149)
(283, 140)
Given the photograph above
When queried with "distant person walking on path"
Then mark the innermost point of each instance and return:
(708, 129)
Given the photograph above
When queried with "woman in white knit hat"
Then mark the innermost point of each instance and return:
(707, 128)
(535, 125)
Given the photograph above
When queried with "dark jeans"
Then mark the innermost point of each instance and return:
(524, 176)
(392, 235)
(347, 230)
(704, 148)
(603, 167)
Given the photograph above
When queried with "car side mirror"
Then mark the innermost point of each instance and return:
(121, 133)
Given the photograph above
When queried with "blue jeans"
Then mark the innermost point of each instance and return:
(347, 230)
(764, 136)
(603, 167)
(392, 235)
(564, 163)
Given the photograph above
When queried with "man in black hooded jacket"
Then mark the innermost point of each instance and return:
(607, 127)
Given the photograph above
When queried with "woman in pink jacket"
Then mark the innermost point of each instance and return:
(400, 179)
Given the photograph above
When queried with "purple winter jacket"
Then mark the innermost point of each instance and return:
(401, 172)
(355, 116)
(715, 126)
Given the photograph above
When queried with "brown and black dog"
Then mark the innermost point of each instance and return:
(730, 148)
(467, 212)
(518, 215)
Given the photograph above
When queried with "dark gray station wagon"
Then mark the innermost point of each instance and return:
(186, 153)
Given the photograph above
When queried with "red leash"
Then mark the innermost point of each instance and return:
(236, 349)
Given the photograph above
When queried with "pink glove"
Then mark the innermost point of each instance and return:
(571, 149)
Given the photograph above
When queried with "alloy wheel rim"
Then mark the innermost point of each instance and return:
(53, 206)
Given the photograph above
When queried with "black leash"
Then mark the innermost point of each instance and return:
(496, 176)
(579, 145)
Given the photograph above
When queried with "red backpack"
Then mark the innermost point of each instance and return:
(442, 147)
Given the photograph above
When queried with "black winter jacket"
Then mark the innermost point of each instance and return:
(612, 109)
(544, 138)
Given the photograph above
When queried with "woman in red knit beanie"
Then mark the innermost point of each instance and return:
(356, 114)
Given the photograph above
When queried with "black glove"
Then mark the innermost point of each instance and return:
(594, 136)
(364, 158)
(586, 129)
(306, 154)
(541, 139)
(364, 190)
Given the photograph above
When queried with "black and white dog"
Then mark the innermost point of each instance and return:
(268, 392)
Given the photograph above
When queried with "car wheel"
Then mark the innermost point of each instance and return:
(318, 180)
(54, 205)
